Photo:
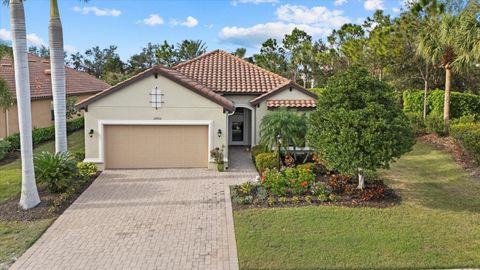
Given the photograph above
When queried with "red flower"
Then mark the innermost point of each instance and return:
(304, 184)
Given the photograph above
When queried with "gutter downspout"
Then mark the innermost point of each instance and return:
(7, 124)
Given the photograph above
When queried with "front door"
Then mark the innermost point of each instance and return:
(238, 127)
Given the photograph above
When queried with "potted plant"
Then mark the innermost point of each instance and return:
(217, 155)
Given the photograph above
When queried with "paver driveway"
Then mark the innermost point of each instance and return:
(144, 219)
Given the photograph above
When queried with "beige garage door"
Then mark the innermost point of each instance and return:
(148, 146)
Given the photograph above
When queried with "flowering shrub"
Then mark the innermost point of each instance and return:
(274, 182)
(298, 180)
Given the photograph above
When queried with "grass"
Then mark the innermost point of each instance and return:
(437, 225)
(16, 237)
(10, 174)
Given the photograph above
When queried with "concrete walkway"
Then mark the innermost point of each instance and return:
(146, 219)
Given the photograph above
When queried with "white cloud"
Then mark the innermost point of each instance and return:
(396, 10)
(315, 15)
(153, 19)
(255, 35)
(189, 22)
(98, 11)
(256, 2)
(339, 2)
(5, 35)
(35, 40)
(373, 4)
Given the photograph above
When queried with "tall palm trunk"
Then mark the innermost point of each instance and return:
(446, 103)
(55, 36)
(29, 195)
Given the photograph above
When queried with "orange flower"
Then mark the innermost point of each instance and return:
(304, 184)
(262, 179)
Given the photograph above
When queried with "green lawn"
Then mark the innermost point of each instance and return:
(437, 225)
(16, 237)
(10, 174)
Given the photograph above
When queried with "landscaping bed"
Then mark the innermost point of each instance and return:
(52, 205)
(310, 184)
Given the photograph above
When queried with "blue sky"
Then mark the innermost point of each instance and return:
(222, 24)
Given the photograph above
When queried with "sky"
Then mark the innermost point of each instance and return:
(222, 24)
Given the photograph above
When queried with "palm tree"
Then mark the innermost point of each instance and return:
(189, 49)
(291, 126)
(452, 41)
(55, 36)
(29, 196)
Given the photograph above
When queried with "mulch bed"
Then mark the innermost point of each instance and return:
(11, 211)
(10, 157)
(448, 144)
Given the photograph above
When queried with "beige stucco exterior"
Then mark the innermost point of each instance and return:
(261, 109)
(41, 116)
(131, 104)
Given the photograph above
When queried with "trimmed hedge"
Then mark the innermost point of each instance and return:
(461, 104)
(468, 136)
(40, 135)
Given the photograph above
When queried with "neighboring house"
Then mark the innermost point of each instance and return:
(79, 84)
(173, 117)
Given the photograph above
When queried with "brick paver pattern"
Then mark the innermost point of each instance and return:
(146, 219)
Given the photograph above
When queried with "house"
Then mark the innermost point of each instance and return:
(173, 117)
(78, 84)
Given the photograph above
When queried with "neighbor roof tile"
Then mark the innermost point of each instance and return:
(291, 103)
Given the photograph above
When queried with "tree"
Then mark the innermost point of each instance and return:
(145, 59)
(42, 51)
(272, 57)
(291, 126)
(29, 195)
(189, 49)
(240, 52)
(452, 41)
(57, 66)
(358, 127)
(6, 100)
(166, 54)
(101, 63)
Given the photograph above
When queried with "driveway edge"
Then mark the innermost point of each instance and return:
(232, 244)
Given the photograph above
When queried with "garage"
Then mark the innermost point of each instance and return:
(156, 146)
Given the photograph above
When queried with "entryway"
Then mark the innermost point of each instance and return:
(240, 127)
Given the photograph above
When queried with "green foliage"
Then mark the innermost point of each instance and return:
(416, 123)
(274, 182)
(298, 180)
(358, 126)
(86, 169)
(56, 171)
(468, 136)
(265, 161)
(4, 147)
(71, 109)
(217, 154)
(246, 188)
(292, 126)
(261, 193)
(461, 104)
(40, 135)
(259, 149)
(6, 98)
(317, 91)
(79, 156)
(435, 124)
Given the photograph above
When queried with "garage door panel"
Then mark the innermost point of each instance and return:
(150, 146)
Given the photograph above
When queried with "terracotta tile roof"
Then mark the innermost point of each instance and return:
(282, 87)
(77, 83)
(168, 73)
(291, 103)
(226, 73)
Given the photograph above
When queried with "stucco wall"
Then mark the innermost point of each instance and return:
(261, 110)
(133, 103)
(41, 116)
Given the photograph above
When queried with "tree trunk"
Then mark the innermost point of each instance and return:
(425, 94)
(55, 36)
(29, 196)
(361, 181)
(446, 103)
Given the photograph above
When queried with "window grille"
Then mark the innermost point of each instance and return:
(156, 98)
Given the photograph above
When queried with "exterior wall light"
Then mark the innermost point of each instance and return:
(219, 133)
(90, 133)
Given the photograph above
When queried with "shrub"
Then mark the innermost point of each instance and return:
(274, 182)
(416, 122)
(271, 201)
(86, 169)
(261, 193)
(14, 141)
(75, 124)
(55, 170)
(217, 154)
(246, 188)
(266, 161)
(464, 120)
(435, 124)
(460, 103)
(4, 147)
(468, 136)
(79, 156)
(259, 149)
(299, 180)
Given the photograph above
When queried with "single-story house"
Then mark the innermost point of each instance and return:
(172, 117)
(78, 84)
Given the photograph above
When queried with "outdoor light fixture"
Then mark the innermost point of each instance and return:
(90, 133)
(219, 133)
